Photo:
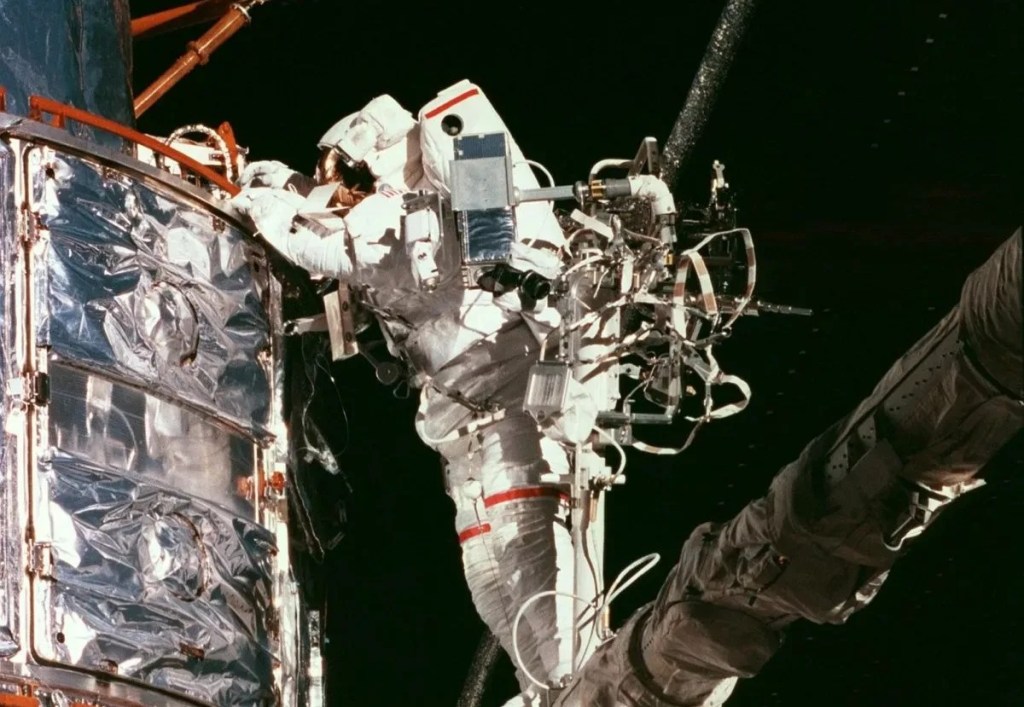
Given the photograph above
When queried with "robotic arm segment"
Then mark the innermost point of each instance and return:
(821, 542)
(652, 189)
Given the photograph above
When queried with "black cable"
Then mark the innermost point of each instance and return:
(704, 90)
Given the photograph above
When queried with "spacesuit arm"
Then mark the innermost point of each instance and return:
(307, 242)
(276, 175)
(353, 248)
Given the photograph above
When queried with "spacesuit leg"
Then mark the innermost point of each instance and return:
(511, 519)
(820, 544)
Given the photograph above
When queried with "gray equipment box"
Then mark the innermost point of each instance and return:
(483, 198)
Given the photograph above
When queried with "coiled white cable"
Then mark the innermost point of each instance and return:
(601, 165)
(642, 565)
(619, 450)
(544, 171)
(622, 582)
(515, 629)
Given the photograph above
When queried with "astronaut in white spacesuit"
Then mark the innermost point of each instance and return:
(470, 349)
(817, 547)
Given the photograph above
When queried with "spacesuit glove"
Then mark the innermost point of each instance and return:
(274, 211)
(271, 211)
(273, 174)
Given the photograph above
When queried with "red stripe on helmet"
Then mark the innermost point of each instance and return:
(448, 104)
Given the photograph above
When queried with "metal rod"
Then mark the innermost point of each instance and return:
(545, 194)
(636, 418)
(187, 15)
(198, 53)
(588, 534)
(709, 79)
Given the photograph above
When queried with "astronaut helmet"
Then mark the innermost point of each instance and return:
(373, 144)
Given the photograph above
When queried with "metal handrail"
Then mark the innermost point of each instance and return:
(39, 106)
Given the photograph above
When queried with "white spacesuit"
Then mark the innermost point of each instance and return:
(470, 349)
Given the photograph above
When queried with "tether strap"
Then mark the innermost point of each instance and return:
(712, 375)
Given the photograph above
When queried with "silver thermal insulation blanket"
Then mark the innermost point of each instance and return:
(135, 450)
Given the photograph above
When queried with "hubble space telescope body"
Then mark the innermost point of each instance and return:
(143, 527)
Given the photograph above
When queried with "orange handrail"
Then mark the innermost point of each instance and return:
(38, 106)
(3, 99)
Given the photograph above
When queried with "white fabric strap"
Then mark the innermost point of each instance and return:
(458, 433)
(712, 375)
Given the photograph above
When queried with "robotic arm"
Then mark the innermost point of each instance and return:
(820, 543)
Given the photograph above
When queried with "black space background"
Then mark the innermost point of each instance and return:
(872, 189)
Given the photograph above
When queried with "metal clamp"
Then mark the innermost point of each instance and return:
(305, 325)
(40, 561)
(30, 389)
(341, 326)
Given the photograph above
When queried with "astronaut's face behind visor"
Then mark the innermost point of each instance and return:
(355, 182)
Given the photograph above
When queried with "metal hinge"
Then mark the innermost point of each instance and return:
(28, 226)
(926, 502)
(40, 561)
(30, 389)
